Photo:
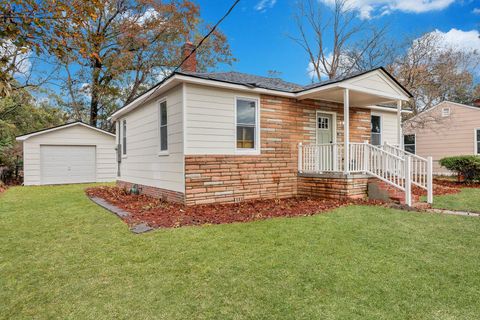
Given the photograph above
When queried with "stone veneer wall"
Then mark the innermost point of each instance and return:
(333, 187)
(164, 194)
(273, 174)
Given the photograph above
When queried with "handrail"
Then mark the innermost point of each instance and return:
(378, 148)
(422, 175)
(405, 152)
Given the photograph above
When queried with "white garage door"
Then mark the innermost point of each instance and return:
(67, 164)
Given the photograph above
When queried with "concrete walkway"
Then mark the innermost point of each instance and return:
(453, 212)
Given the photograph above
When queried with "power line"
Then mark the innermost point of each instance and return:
(193, 51)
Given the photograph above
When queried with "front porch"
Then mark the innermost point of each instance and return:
(322, 167)
(342, 164)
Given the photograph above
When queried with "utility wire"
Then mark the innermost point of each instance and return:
(192, 52)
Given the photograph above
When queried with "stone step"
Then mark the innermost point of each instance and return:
(381, 190)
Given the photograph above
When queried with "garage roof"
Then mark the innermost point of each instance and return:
(63, 126)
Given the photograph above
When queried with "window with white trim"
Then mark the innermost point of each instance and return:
(163, 126)
(409, 143)
(247, 124)
(445, 112)
(124, 137)
(376, 130)
(477, 141)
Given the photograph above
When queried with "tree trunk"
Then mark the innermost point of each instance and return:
(94, 102)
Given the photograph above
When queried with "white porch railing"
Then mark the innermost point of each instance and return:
(385, 163)
(422, 175)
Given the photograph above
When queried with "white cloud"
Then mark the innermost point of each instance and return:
(476, 11)
(20, 59)
(263, 5)
(369, 8)
(460, 40)
(141, 17)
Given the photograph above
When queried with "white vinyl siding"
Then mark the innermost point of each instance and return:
(375, 82)
(144, 164)
(389, 126)
(210, 120)
(105, 159)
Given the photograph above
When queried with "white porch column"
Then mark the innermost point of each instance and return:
(399, 124)
(346, 131)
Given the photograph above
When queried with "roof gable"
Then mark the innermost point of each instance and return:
(445, 103)
(377, 81)
(61, 127)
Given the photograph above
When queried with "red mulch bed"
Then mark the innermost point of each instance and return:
(444, 187)
(456, 184)
(438, 190)
(157, 213)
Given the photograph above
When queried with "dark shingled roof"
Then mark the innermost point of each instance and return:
(247, 80)
(254, 81)
(277, 84)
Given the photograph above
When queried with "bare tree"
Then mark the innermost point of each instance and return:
(433, 72)
(328, 36)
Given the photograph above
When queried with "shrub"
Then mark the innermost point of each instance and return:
(467, 167)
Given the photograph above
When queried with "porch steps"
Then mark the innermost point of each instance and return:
(381, 190)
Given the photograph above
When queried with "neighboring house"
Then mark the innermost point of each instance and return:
(70, 153)
(226, 137)
(447, 129)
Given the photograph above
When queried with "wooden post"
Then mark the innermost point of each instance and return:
(300, 154)
(399, 124)
(346, 131)
(429, 180)
(408, 181)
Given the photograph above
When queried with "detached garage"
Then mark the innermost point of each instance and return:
(71, 153)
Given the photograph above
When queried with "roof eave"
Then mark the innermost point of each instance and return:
(179, 77)
(63, 126)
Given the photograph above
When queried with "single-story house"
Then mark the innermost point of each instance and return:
(447, 129)
(200, 138)
(70, 153)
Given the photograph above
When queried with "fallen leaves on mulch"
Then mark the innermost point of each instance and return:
(456, 184)
(438, 190)
(157, 213)
(444, 187)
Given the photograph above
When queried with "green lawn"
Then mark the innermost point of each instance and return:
(62, 257)
(467, 200)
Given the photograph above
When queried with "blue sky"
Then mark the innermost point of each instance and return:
(257, 29)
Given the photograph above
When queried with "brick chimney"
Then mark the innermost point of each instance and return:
(476, 103)
(190, 65)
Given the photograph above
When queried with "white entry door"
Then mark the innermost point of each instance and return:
(67, 164)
